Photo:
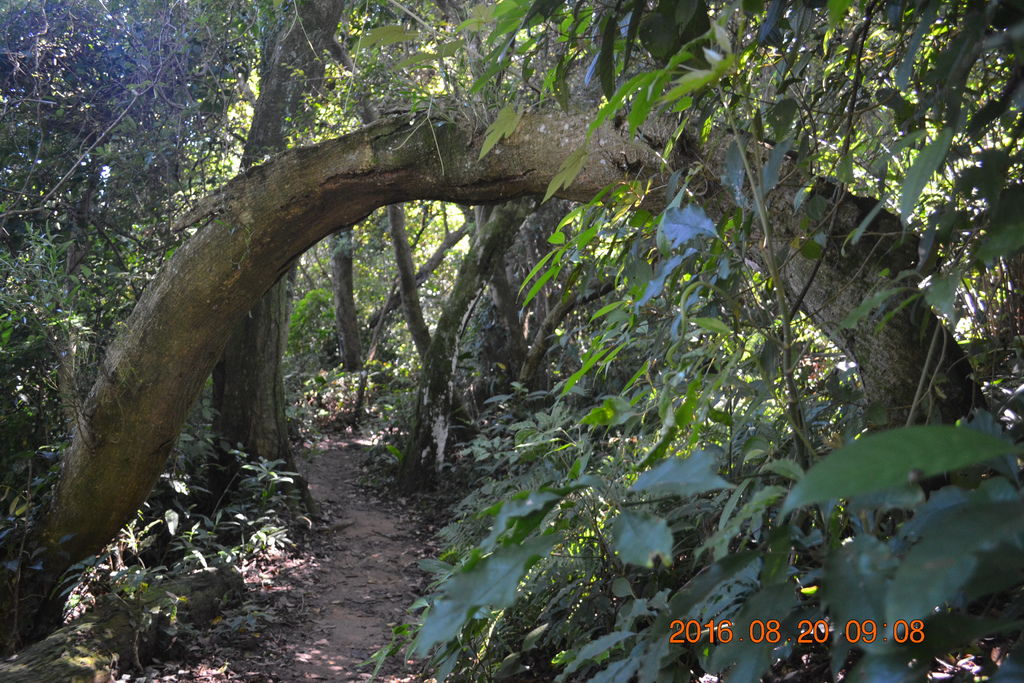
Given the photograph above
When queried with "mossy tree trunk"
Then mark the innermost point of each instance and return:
(431, 426)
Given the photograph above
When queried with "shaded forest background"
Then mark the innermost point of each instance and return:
(701, 314)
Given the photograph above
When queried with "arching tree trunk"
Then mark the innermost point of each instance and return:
(246, 236)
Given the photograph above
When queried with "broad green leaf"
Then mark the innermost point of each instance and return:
(385, 35)
(557, 238)
(837, 10)
(752, 659)
(892, 458)
(1005, 234)
(444, 620)
(712, 325)
(492, 582)
(532, 505)
(657, 283)
(784, 468)
(683, 476)
(857, 579)
(781, 117)
(682, 226)
(595, 648)
(614, 410)
(770, 171)
(567, 172)
(925, 165)
(688, 83)
(941, 294)
(504, 125)
(639, 538)
(622, 670)
(946, 554)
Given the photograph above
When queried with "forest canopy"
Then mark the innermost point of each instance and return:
(703, 319)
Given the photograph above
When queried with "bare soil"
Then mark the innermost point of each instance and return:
(326, 608)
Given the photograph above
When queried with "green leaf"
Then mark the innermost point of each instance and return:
(891, 459)
(837, 10)
(588, 362)
(683, 476)
(614, 410)
(713, 325)
(925, 165)
(504, 125)
(753, 659)
(606, 57)
(784, 468)
(639, 538)
(493, 582)
(596, 648)
(947, 555)
(524, 512)
(385, 35)
(1005, 234)
(557, 238)
(941, 294)
(781, 117)
(857, 579)
(567, 172)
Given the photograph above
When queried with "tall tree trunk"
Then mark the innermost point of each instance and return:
(432, 420)
(407, 287)
(248, 389)
(345, 315)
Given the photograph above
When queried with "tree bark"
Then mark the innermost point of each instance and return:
(431, 424)
(407, 286)
(345, 315)
(504, 298)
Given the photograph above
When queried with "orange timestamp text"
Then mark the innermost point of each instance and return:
(810, 632)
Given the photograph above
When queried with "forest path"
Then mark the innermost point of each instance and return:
(332, 601)
(359, 576)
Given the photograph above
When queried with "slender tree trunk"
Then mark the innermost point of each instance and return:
(345, 316)
(407, 287)
(425, 271)
(531, 371)
(431, 425)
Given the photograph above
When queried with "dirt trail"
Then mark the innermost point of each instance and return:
(332, 604)
(366, 574)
